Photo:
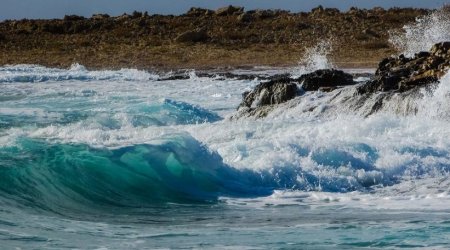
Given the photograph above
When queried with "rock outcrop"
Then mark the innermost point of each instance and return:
(325, 79)
(282, 88)
(402, 73)
(198, 12)
(269, 93)
(100, 16)
(229, 10)
(234, 38)
(193, 36)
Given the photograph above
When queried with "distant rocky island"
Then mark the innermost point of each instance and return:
(202, 38)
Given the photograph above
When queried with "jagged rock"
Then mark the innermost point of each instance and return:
(441, 50)
(123, 17)
(197, 12)
(229, 10)
(263, 14)
(318, 9)
(245, 17)
(325, 79)
(193, 36)
(100, 16)
(73, 18)
(402, 73)
(269, 93)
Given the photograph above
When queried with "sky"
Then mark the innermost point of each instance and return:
(42, 9)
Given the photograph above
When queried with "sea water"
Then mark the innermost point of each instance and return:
(122, 160)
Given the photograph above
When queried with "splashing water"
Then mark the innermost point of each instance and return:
(436, 103)
(423, 34)
(121, 163)
(119, 160)
(315, 58)
(77, 72)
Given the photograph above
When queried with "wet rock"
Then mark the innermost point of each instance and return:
(193, 36)
(402, 73)
(174, 77)
(270, 93)
(326, 79)
(441, 50)
(229, 10)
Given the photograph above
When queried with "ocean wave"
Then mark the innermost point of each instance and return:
(164, 112)
(34, 73)
(57, 176)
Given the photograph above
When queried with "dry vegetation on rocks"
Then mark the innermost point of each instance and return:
(202, 38)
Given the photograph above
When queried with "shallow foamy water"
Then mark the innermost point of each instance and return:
(117, 159)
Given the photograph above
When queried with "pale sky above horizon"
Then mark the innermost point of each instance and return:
(42, 9)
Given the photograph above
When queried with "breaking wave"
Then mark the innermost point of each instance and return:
(77, 72)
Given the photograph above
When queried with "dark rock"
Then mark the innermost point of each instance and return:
(263, 14)
(100, 16)
(193, 36)
(137, 14)
(318, 9)
(402, 73)
(441, 50)
(123, 17)
(371, 33)
(174, 77)
(229, 10)
(73, 18)
(422, 54)
(245, 17)
(270, 93)
(332, 11)
(325, 79)
(197, 12)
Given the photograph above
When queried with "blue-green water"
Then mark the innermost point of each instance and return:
(119, 160)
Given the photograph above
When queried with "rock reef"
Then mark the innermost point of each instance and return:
(325, 80)
(402, 73)
(280, 89)
(394, 75)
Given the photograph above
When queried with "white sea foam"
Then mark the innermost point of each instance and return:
(314, 142)
(35, 73)
(334, 146)
(412, 196)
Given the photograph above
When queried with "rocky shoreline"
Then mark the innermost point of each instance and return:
(203, 39)
(395, 75)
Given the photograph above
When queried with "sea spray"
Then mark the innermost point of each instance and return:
(314, 58)
(424, 33)
(82, 165)
(436, 101)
